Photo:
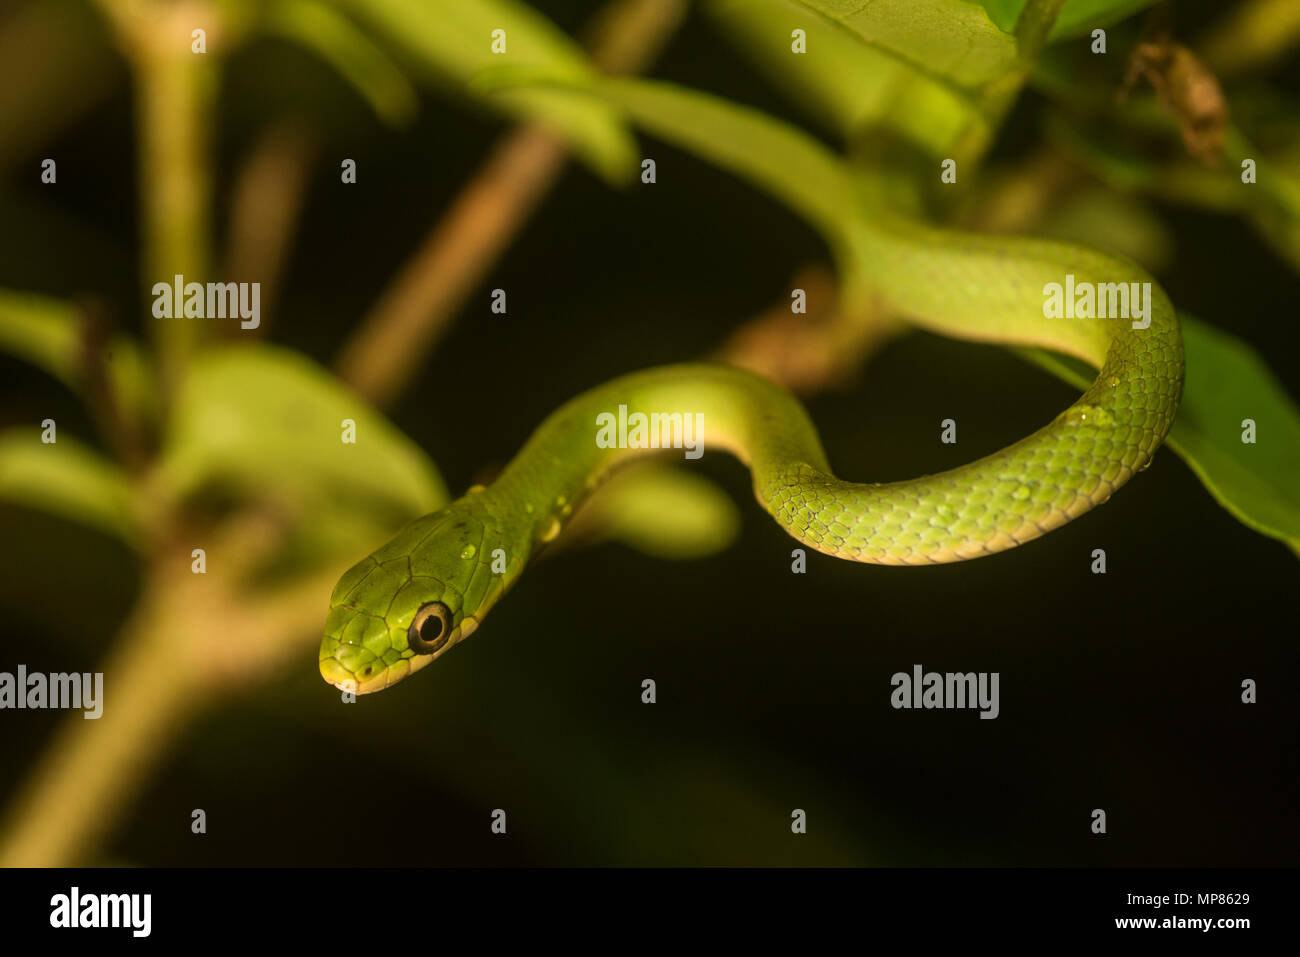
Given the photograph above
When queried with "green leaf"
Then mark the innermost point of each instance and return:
(1076, 17)
(844, 82)
(1004, 13)
(67, 479)
(43, 331)
(1117, 223)
(954, 39)
(48, 333)
(269, 423)
(664, 511)
(1227, 382)
(452, 40)
(773, 155)
(1083, 16)
(333, 37)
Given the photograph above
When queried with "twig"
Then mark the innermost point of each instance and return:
(1035, 26)
(1033, 29)
(118, 426)
(264, 211)
(417, 307)
(175, 90)
(190, 640)
(811, 352)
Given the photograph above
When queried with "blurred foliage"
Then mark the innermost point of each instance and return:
(451, 41)
(660, 510)
(266, 422)
(67, 479)
(355, 56)
(53, 336)
(848, 85)
(954, 39)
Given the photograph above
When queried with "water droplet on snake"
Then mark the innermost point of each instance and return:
(1087, 415)
(468, 551)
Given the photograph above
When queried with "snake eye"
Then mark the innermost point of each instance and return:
(430, 628)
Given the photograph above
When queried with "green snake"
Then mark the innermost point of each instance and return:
(430, 587)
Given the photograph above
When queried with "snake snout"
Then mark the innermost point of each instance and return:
(353, 668)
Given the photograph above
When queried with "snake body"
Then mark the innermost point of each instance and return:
(430, 586)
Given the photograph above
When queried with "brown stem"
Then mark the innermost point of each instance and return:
(175, 90)
(810, 352)
(264, 210)
(190, 640)
(119, 428)
(92, 767)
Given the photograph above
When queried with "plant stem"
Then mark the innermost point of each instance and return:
(175, 91)
(118, 423)
(1032, 32)
(418, 305)
(264, 208)
(92, 767)
(190, 640)
(1034, 26)
(175, 88)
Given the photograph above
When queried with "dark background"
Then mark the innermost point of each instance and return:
(1119, 691)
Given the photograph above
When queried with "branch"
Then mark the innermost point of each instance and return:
(191, 640)
(264, 211)
(175, 92)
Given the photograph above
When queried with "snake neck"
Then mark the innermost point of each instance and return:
(687, 410)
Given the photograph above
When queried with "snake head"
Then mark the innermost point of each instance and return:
(386, 621)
